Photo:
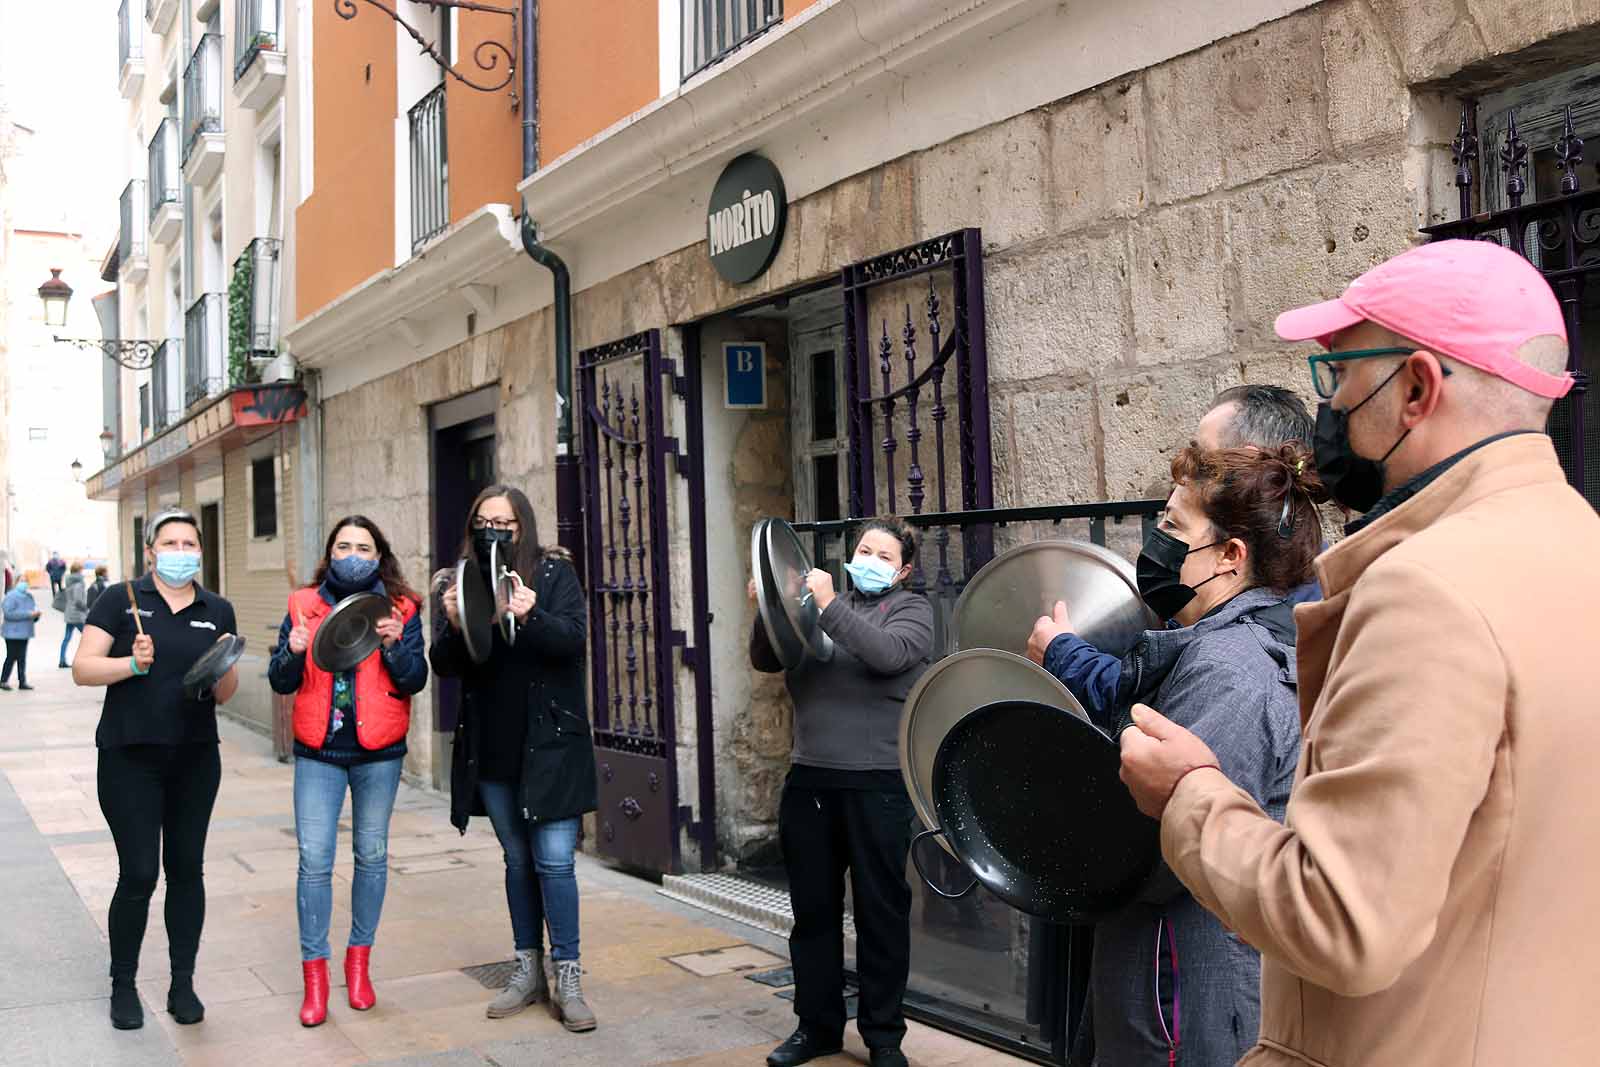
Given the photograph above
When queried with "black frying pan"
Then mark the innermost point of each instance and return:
(1029, 799)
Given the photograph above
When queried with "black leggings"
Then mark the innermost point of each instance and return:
(16, 653)
(157, 800)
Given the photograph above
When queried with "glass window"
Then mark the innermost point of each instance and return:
(264, 497)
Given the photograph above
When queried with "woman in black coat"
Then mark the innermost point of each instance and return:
(524, 754)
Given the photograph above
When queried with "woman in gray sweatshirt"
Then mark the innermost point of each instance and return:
(844, 805)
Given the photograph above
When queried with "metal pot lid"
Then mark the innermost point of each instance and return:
(1002, 601)
(949, 691)
(1031, 802)
(788, 610)
(200, 679)
(349, 633)
(475, 608)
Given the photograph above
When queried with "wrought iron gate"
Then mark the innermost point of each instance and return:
(625, 450)
(1559, 234)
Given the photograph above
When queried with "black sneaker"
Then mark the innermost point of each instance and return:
(6, 686)
(888, 1057)
(126, 1011)
(802, 1047)
(24, 685)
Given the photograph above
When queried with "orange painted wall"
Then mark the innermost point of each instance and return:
(597, 64)
(485, 135)
(345, 229)
(791, 8)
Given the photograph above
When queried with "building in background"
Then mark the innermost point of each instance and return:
(50, 394)
(211, 416)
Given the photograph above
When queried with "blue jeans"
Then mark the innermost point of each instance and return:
(540, 884)
(319, 790)
(67, 639)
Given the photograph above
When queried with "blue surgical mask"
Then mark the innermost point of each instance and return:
(353, 572)
(177, 568)
(870, 574)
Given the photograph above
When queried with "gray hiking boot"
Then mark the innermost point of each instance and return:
(528, 985)
(567, 1003)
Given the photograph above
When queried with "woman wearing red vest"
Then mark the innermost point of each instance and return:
(349, 734)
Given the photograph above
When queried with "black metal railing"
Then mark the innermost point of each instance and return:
(943, 578)
(165, 186)
(255, 29)
(1559, 234)
(253, 308)
(202, 92)
(158, 409)
(202, 349)
(130, 35)
(714, 28)
(430, 169)
(131, 240)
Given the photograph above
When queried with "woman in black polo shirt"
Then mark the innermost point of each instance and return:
(159, 767)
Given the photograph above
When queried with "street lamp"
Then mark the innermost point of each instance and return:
(55, 294)
(133, 354)
(108, 441)
(77, 471)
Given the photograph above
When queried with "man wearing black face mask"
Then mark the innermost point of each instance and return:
(1418, 904)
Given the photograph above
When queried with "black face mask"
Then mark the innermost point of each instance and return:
(1160, 562)
(482, 539)
(1351, 478)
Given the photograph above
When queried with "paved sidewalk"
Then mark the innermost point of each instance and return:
(654, 975)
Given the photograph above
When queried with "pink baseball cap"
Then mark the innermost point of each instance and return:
(1473, 301)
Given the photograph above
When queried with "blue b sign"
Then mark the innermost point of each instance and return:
(745, 370)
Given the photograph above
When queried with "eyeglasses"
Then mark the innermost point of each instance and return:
(494, 524)
(1324, 366)
(1325, 376)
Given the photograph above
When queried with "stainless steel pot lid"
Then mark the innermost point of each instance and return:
(200, 679)
(788, 610)
(1003, 600)
(947, 692)
(506, 582)
(349, 633)
(475, 607)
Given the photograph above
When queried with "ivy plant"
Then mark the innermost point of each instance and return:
(240, 292)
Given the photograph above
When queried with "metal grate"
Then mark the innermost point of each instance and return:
(135, 214)
(491, 975)
(740, 899)
(712, 29)
(202, 92)
(165, 186)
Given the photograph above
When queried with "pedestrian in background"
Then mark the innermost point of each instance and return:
(55, 568)
(93, 592)
(75, 608)
(20, 616)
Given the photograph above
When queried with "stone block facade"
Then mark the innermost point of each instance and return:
(1139, 238)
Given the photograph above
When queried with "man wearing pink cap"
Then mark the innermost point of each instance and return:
(1430, 897)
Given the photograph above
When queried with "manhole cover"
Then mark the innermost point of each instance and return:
(491, 975)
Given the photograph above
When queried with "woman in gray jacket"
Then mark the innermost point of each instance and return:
(1168, 983)
(844, 805)
(75, 607)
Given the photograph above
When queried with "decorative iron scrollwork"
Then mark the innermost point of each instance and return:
(135, 355)
(631, 808)
(487, 55)
(655, 782)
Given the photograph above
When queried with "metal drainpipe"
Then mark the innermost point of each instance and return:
(569, 532)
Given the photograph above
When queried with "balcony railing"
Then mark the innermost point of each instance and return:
(161, 410)
(430, 169)
(255, 29)
(202, 92)
(714, 28)
(130, 33)
(135, 218)
(253, 309)
(165, 186)
(202, 349)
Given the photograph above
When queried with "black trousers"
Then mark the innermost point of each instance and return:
(16, 654)
(157, 799)
(824, 833)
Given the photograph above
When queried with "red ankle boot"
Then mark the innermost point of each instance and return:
(314, 1009)
(356, 979)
